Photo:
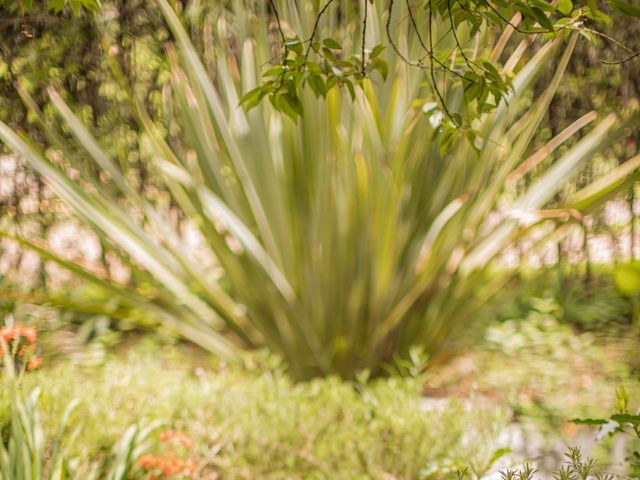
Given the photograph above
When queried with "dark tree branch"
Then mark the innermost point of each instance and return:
(624, 60)
(431, 70)
(455, 36)
(314, 31)
(429, 50)
(364, 35)
(609, 38)
(273, 7)
(285, 48)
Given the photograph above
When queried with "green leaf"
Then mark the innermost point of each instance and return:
(332, 44)
(317, 85)
(290, 105)
(273, 71)
(542, 18)
(381, 66)
(377, 50)
(56, 5)
(252, 98)
(625, 8)
(589, 421)
(627, 279)
(352, 91)
(565, 6)
(76, 6)
(626, 418)
(295, 45)
(90, 5)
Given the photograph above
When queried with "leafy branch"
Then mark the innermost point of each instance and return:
(323, 64)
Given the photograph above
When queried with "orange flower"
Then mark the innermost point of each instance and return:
(11, 332)
(34, 362)
(30, 334)
(7, 333)
(179, 437)
(26, 349)
(168, 464)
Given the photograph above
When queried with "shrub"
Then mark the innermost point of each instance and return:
(347, 237)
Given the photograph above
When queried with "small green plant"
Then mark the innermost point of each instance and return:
(27, 455)
(575, 467)
(31, 452)
(124, 459)
(623, 421)
(548, 371)
(591, 303)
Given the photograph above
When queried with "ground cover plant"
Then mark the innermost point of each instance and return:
(30, 450)
(252, 421)
(152, 407)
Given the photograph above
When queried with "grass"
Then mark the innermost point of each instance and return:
(253, 422)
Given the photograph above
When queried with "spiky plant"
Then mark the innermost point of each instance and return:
(348, 236)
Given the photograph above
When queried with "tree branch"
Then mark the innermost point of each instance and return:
(364, 34)
(315, 28)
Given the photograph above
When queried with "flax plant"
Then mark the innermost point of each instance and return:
(346, 237)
